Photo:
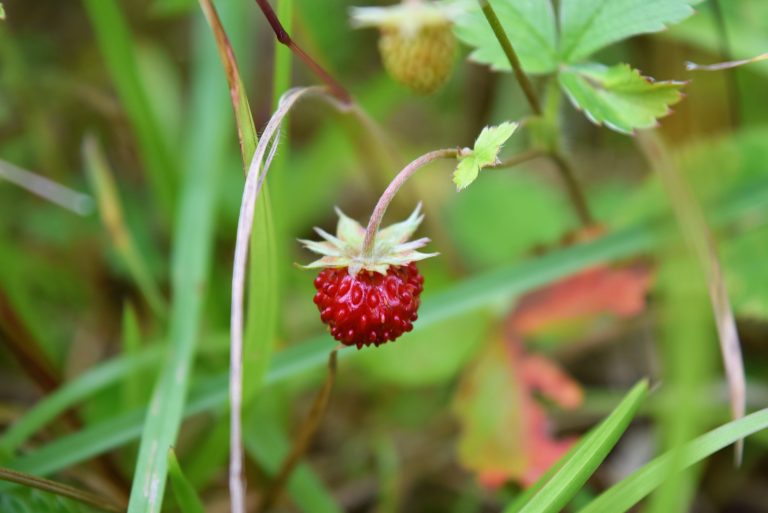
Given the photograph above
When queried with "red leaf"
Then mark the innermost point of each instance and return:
(505, 432)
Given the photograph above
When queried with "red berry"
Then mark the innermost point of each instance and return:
(369, 308)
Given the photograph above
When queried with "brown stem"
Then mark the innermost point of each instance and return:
(514, 61)
(572, 187)
(283, 37)
(391, 191)
(304, 437)
(30, 481)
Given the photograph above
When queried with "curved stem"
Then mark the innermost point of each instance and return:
(393, 187)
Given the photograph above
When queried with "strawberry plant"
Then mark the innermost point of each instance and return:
(540, 334)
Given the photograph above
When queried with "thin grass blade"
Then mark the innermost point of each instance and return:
(631, 490)
(185, 493)
(574, 472)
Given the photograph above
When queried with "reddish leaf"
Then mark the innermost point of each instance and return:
(596, 291)
(505, 433)
(504, 429)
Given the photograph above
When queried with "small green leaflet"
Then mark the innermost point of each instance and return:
(618, 97)
(529, 25)
(485, 153)
(2, 12)
(589, 25)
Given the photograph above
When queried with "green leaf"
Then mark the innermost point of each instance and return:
(2, 12)
(485, 153)
(466, 172)
(186, 496)
(579, 464)
(619, 97)
(530, 27)
(631, 490)
(589, 25)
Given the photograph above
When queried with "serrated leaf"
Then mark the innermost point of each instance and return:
(466, 172)
(619, 97)
(489, 142)
(530, 27)
(589, 25)
(485, 153)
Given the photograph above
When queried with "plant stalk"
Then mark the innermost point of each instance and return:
(283, 37)
(514, 61)
(30, 481)
(304, 436)
(394, 187)
(578, 200)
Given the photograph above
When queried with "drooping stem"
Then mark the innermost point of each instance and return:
(283, 37)
(514, 61)
(393, 187)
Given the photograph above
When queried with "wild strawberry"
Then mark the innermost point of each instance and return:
(368, 299)
(417, 44)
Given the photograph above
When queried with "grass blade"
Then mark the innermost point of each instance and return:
(72, 200)
(634, 488)
(186, 496)
(696, 234)
(116, 43)
(111, 211)
(574, 472)
(192, 248)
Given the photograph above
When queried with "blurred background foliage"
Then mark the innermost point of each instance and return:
(70, 299)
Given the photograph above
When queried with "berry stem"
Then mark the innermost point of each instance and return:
(394, 187)
(514, 61)
(283, 37)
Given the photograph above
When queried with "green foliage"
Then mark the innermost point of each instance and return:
(589, 25)
(631, 490)
(530, 27)
(506, 195)
(576, 466)
(192, 248)
(27, 500)
(618, 96)
(119, 50)
(485, 153)
(186, 496)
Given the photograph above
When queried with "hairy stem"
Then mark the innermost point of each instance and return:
(514, 61)
(283, 37)
(391, 191)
